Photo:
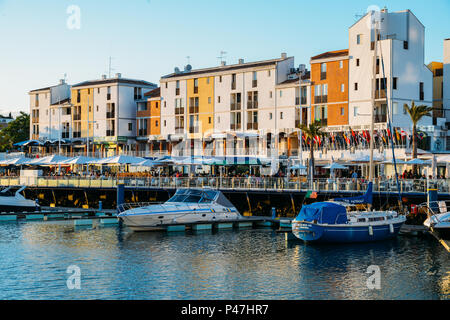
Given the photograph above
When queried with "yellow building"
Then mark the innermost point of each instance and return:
(438, 89)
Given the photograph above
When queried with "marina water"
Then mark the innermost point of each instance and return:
(116, 263)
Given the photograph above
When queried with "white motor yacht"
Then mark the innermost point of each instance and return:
(187, 206)
(16, 202)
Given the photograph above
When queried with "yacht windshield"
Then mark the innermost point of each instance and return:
(193, 196)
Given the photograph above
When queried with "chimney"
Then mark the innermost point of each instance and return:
(241, 61)
(103, 76)
(283, 55)
(118, 75)
(223, 63)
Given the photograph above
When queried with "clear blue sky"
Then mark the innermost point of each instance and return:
(148, 38)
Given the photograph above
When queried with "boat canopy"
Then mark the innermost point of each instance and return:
(323, 212)
(200, 196)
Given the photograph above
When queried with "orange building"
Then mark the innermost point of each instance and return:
(329, 88)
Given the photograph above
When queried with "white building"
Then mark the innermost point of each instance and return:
(402, 75)
(446, 82)
(44, 116)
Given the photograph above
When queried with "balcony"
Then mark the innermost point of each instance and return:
(297, 101)
(252, 104)
(35, 120)
(422, 96)
(109, 133)
(323, 76)
(252, 126)
(380, 118)
(108, 96)
(298, 123)
(179, 130)
(233, 85)
(193, 109)
(110, 114)
(77, 134)
(303, 100)
(179, 110)
(177, 91)
(438, 113)
(322, 122)
(193, 129)
(254, 83)
(65, 135)
(320, 99)
(380, 94)
(235, 106)
(137, 97)
(235, 126)
(142, 132)
(76, 116)
(195, 90)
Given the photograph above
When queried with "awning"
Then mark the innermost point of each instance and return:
(28, 142)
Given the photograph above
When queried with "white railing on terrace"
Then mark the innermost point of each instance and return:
(231, 183)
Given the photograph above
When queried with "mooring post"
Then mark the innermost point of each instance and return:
(120, 194)
(100, 205)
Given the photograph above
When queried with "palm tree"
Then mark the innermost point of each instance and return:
(416, 113)
(311, 132)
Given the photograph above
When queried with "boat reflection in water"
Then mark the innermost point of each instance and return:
(332, 222)
(187, 206)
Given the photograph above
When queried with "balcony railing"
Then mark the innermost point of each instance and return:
(320, 99)
(235, 106)
(235, 126)
(76, 116)
(297, 101)
(65, 135)
(193, 109)
(110, 114)
(193, 130)
(179, 110)
(380, 94)
(231, 183)
(137, 97)
(179, 130)
(76, 134)
(303, 100)
(254, 83)
(233, 85)
(422, 96)
(108, 96)
(323, 76)
(252, 126)
(109, 133)
(35, 120)
(195, 89)
(380, 118)
(177, 91)
(142, 132)
(252, 104)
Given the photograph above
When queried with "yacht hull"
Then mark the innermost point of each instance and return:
(311, 232)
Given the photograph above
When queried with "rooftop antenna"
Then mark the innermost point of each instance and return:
(188, 59)
(222, 56)
(110, 68)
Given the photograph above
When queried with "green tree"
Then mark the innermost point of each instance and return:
(311, 132)
(416, 113)
(16, 131)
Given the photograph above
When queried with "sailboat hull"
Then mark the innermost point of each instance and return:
(311, 232)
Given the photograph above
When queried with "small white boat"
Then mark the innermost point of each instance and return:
(438, 219)
(187, 206)
(16, 202)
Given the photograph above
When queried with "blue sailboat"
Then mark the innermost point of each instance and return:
(336, 222)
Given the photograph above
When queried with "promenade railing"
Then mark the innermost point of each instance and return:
(232, 183)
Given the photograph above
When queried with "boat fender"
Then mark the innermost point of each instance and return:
(391, 228)
(370, 230)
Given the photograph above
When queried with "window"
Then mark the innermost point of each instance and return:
(357, 62)
(281, 93)
(270, 94)
(395, 109)
(355, 111)
(166, 85)
(342, 111)
(358, 38)
(270, 116)
(323, 67)
(394, 83)
(165, 123)
(53, 111)
(156, 123)
(207, 80)
(405, 45)
(220, 78)
(218, 119)
(96, 126)
(281, 115)
(325, 90)
(421, 91)
(90, 108)
(342, 87)
(341, 64)
(165, 104)
(130, 126)
(209, 100)
(268, 73)
(97, 108)
(209, 120)
(356, 86)
(98, 90)
(218, 99)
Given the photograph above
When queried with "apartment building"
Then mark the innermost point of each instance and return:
(148, 121)
(104, 114)
(401, 74)
(437, 68)
(230, 109)
(329, 84)
(48, 110)
(446, 78)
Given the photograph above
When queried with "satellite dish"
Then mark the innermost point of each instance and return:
(188, 68)
(177, 70)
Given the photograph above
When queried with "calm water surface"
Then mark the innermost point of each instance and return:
(247, 264)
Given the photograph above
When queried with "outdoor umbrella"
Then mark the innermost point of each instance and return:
(78, 160)
(120, 160)
(47, 161)
(145, 163)
(335, 165)
(419, 162)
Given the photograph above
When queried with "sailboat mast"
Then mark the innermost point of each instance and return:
(371, 166)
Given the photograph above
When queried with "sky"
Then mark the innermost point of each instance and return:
(41, 41)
